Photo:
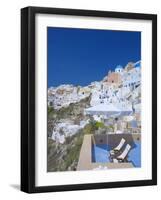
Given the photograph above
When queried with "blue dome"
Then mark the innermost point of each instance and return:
(119, 67)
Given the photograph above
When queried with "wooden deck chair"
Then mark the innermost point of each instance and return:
(118, 148)
(124, 154)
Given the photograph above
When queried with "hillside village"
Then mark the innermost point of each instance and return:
(76, 110)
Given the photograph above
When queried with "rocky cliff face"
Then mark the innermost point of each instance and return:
(63, 154)
(64, 157)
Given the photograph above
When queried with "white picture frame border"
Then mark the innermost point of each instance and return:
(44, 178)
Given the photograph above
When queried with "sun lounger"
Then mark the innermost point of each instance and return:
(124, 154)
(118, 148)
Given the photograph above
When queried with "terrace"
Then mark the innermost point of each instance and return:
(95, 150)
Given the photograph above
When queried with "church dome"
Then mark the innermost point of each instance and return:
(118, 68)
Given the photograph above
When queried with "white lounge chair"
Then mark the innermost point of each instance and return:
(118, 148)
(123, 156)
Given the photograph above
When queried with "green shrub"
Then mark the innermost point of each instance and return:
(99, 125)
(50, 110)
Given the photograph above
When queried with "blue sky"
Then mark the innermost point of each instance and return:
(80, 56)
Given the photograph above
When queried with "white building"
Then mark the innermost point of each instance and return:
(132, 78)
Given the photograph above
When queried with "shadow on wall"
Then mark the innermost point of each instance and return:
(114, 139)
